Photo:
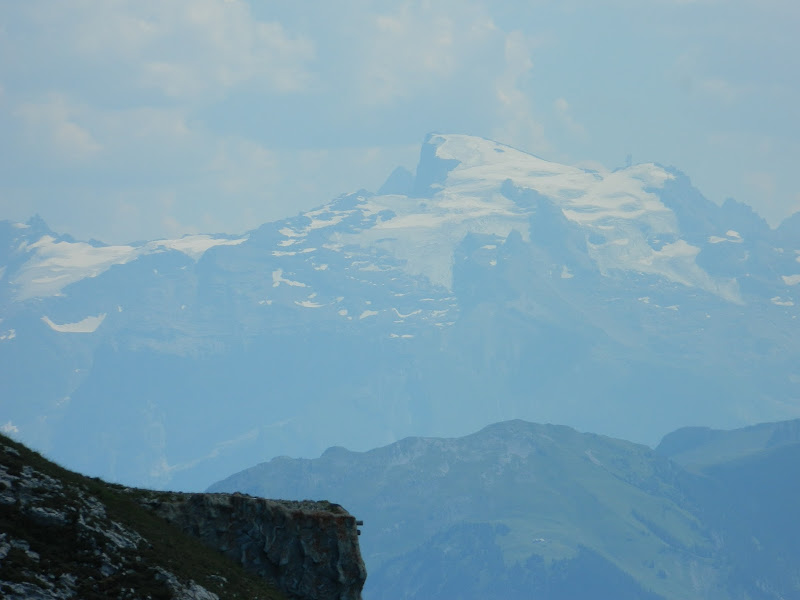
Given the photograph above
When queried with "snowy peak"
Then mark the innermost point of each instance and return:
(462, 187)
(643, 220)
(48, 263)
(491, 285)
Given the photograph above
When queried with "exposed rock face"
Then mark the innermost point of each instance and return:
(306, 549)
(59, 542)
(66, 536)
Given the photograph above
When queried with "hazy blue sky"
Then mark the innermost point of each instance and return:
(144, 118)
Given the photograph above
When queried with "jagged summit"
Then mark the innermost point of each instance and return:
(491, 285)
(463, 185)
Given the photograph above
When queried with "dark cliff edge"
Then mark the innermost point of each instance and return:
(64, 535)
(306, 549)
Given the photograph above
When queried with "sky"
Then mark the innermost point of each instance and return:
(126, 120)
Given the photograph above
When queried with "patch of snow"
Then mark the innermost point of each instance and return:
(87, 325)
(675, 261)
(791, 279)
(619, 205)
(20, 225)
(343, 312)
(290, 232)
(277, 279)
(321, 268)
(731, 236)
(368, 313)
(307, 304)
(320, 223)
(54, 265)
(282, 253)
(778, 301)
(194, 246)
(411, 314)
(400, 336)
(8, 335)
(593, 458)
(489, 247)
(493, 263)
(265, 302)
(565, 273)
(423, 233)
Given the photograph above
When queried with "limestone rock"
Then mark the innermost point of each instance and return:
(306, 549)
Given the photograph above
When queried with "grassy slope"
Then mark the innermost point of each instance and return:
(551, 490)
(699, 447)
(62, 552)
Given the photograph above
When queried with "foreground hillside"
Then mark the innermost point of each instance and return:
(520, 511)
(63, 535)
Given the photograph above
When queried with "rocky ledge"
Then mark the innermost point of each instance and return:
(306, 549)
(63, 535)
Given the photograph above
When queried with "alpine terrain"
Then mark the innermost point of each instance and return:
(489, 285)
(520, 510)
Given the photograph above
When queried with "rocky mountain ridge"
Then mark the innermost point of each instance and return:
(67, 536)
(522, 510)
(491, 285)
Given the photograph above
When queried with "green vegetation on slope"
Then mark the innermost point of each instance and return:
(548, 503)
(79, 552)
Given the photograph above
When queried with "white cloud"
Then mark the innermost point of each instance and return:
(419, 45)
(563, 112)
(519, 125)
(9, 428)
(188, 49)
(721, 89)
(762, 184)
(52, 123)
(125, 116)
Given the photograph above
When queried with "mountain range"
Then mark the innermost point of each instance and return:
(520, 510)
(489, 285)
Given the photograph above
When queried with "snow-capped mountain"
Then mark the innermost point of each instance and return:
(490, 285)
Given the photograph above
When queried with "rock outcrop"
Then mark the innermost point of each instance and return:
(64, 536)
(306, 549)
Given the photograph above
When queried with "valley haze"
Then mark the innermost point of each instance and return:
(488, 285)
